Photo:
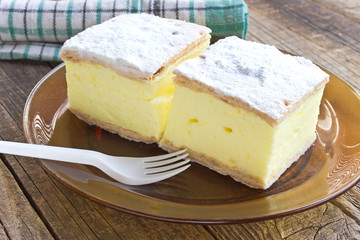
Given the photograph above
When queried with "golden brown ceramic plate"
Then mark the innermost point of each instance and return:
(199, 195)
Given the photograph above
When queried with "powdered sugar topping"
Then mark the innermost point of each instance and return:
(137, 45)
(258, 75)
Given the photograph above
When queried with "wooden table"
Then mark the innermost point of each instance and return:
(33, 205)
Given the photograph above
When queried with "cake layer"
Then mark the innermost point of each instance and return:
(236, 142)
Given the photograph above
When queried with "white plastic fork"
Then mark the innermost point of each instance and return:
(127, 170)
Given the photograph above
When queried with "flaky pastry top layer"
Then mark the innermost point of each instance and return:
(254, 76)
(135, 45)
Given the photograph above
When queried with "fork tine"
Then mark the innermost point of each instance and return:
(168, 174)
(166, 168)
(156, 177)
(164, 175)
(159, 163)
(161, 157)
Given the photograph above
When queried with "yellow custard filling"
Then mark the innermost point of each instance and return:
(102, 94)
(239, 140)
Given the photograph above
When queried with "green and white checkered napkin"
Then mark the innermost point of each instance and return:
(36, 29)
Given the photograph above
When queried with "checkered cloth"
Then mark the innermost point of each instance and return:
(36, 29)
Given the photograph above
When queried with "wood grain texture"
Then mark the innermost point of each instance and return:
(322, 35)
(24, 222)
(350, 9)
(33, 205)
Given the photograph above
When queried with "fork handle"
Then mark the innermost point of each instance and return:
(50, 152)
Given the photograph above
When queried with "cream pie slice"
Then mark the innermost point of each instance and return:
(245, 109)
(119, 73)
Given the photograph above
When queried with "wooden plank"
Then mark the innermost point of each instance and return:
(291, 35)
(348, 8)
(310, 20)
(17, 217)
(17, 78)
(349, 203)
(24, 222)
(3, 234)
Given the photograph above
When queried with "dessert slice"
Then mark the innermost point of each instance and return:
(245, 109)
(119, 73)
